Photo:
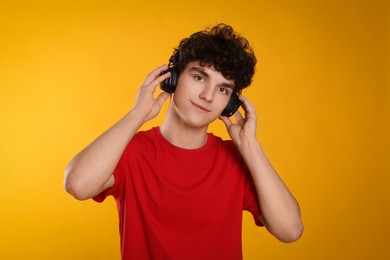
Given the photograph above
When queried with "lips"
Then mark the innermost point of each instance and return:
(200, 107)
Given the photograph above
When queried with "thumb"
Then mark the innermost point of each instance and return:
(162, 98)
(226, 121)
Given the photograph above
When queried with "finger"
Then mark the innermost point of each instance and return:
(157, 81)
(226, 120)
(245, 102)
(155, 73)
(248, 107)
(238, 116)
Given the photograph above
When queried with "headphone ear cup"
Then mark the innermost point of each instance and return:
(169, 84)
(232, 106)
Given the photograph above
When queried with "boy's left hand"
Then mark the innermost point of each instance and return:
(244, 130)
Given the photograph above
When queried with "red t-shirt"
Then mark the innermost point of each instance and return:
(175, 203)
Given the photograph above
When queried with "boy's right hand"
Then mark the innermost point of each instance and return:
(146, 104)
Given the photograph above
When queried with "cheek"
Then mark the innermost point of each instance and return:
(181, 96)
(223, 101)
(185, 89)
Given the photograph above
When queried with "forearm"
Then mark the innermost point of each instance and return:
(280, 210)
(90, 170)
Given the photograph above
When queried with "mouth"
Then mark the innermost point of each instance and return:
(200, 108)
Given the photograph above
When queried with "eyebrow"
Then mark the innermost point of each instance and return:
(206, 75)
(200, 70)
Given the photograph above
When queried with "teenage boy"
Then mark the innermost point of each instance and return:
(180, 190)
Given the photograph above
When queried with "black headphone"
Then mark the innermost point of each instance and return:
(169, 85)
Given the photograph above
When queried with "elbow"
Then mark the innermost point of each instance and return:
(292, 234)
(286, 233)
(74, 187)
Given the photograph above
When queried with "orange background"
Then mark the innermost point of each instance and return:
(70, 69)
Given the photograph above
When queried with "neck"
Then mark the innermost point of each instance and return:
(181, 134)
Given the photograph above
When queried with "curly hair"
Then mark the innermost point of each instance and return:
(222, 48)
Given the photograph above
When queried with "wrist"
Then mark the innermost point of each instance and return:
(136, 117)
(249, 148)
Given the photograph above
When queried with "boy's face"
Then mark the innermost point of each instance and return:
(201, 94)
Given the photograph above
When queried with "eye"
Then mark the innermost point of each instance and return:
(199, 78)
(224, 90)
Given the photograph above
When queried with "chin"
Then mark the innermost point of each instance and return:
(198, 122)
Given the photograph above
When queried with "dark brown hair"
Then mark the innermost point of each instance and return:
(222, 48)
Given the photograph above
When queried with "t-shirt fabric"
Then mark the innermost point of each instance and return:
(175, 203)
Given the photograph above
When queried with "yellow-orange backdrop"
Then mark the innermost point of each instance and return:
(70, 69)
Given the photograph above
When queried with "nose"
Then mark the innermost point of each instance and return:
(207, 94)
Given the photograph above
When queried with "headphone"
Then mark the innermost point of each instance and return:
(169, 85)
